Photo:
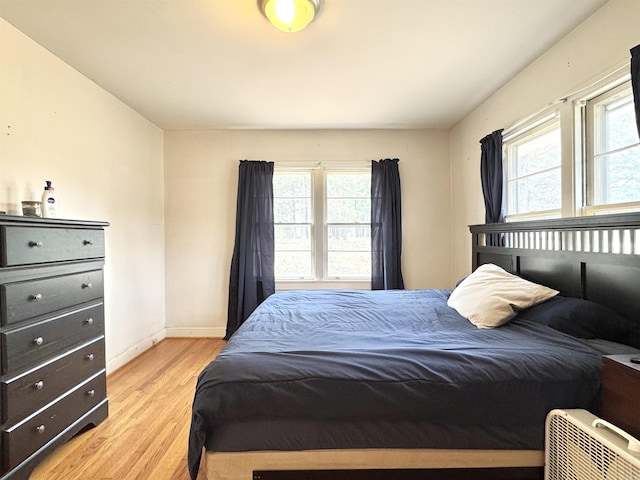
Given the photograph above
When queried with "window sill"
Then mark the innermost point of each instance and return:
(323, 284)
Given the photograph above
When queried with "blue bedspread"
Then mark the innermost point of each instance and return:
(400, 357)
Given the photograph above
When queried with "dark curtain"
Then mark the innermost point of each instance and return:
(386, 226)
(492, 181)
(491, 175)
(635, 81)
(252, 278)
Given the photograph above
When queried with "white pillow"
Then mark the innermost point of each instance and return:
(491, 296)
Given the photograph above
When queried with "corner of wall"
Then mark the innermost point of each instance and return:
(141, 347)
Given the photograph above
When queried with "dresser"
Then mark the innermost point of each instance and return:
(621, 392)
(52, 346)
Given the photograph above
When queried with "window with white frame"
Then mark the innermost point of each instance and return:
(613, 152)
(293, 224)
(322, 223)
(533, 170)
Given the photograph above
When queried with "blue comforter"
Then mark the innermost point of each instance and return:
(403, 357)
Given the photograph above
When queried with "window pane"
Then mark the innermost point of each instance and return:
(535, 193)
(348, 210)
(533, 171)
(614, 174)
(293, 237)
(292, 210)
(295, 265)
(349, 264)
(538, 154)
(348, 185)
(293, 215)
(620, 126)
(348, 246)
(349, 238)
(618, 177)
(292, 185)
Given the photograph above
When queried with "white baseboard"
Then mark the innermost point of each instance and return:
(147, 343)
(133, 352)
(207, 332)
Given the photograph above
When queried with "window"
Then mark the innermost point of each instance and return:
(322, 224)
(533, 170)
(348, 225)
(613, 152)
(579, 155)
(293, 224)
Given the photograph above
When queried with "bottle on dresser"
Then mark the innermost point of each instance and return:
(49, 206)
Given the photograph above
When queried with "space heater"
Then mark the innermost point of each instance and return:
(581, 446)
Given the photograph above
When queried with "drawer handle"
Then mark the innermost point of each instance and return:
(40, 429)
(88, 321)
(39, 385)
(91, 393)
(38, 341)
(87, 285)
(36, 297)
(90, 357)
(88, 242)
(35, 243)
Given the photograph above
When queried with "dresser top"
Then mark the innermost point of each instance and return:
(37, 221)
(626, 360)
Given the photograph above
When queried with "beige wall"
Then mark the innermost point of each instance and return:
(201, 171)
(593, 49)
(170, 196)
(105, 162)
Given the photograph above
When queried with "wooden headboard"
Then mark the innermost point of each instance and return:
(596, 258)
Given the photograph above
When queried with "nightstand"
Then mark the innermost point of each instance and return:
(621, 392)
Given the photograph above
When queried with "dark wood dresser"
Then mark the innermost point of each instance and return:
(621, 392)
(53, 379)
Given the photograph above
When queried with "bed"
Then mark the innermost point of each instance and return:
(401, 381)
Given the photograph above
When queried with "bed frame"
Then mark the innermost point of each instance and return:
(595, 258)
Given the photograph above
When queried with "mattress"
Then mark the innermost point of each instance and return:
(385, 369)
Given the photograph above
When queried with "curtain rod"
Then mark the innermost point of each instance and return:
(515, 128)
(325, 163)
(581, 91)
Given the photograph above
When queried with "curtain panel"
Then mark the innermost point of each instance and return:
(386, 226)
(252, 276)
(492, 176)
(635, 81)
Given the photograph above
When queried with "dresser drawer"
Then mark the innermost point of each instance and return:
(30, 245)
(31, 390)
(28, 299)
(31, 344)
(21, 440)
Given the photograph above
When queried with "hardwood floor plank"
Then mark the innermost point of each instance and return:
(146, 433)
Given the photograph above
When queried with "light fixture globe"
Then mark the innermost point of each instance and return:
(290, 15)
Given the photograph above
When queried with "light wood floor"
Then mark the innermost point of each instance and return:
(146, 433)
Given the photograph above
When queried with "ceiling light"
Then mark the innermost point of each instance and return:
(290, 15)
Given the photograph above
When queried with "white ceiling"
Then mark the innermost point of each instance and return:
(212, 64)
